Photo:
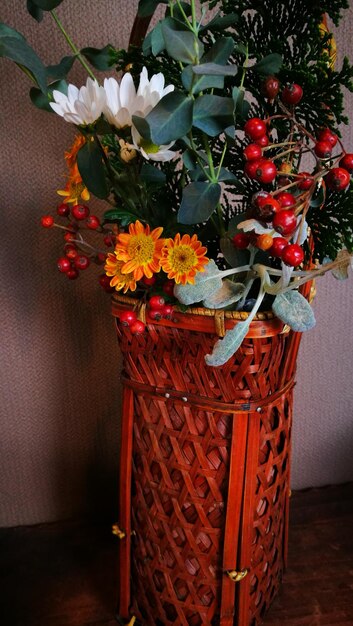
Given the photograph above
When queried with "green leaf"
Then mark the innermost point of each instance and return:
(34, 10)
(198, 203)
(219, 53)
(271, 64)
(101, 58)
(170, 119)
(157, 40)
(221, 22)
(293, 309)
(180, 44)
(47, 5)
(14, 47)
(61, 69)
(41, 100)
(91, 168)
(241, 106)
(228, 294)
(225, 348)
(122, 216)
(152, 175)
(148, 7)
(212, 114)
(233, 256)
(206, 283)
(215, 69)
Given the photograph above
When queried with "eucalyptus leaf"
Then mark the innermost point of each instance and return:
(241, 106)
(171, 118)
(41, 100)
(225, 348)
(198, 202)
(15, 48)
(101, 58)
(180, 44)
(8, 31)
(91, 168)
(220, 22)
(215, 69)
(233, 256)
(233, 226)
(219, 53)
(47, 5)
(271, 64)
(228, 294)
(61, 69)
(34, 10)
(212, 114)
(152, 175)
(293, 309)
(142, 127)
(157, 40)
(206, 283)
(121, 216)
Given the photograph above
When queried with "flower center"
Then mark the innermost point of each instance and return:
(149, 147)
(141, 248)
(183, 259)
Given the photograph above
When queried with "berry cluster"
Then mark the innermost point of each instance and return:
(129, 318)
(158, 308)
(282, 211)
(78, 252)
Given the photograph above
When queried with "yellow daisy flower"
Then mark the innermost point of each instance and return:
(120, 281)
(140, 250)
(75, 189)
(183, 257)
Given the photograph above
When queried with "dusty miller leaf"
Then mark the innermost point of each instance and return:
(225, 348)
(293, 309)
(253, 225)
(204, 285)
(229, 292)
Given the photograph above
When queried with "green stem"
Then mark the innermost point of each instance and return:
(222, 159)
(72, 45)
(193, 15)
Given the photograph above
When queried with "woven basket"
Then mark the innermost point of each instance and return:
(205, 461)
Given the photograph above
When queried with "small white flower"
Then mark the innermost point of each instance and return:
(80, 106)
(149, 150)
(123, 101)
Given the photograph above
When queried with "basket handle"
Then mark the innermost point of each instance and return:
(139, 29)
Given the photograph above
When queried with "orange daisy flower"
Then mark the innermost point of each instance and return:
(140, 250)
(183, 257)
(120, 281)
(75, 189)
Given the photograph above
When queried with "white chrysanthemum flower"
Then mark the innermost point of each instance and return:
(81, 106)
(149, 150)
(123, 101)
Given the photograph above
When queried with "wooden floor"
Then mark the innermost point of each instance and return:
(65, 574)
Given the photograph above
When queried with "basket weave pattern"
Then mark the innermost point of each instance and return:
(210, 470)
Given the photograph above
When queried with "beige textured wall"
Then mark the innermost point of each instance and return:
(59, 386)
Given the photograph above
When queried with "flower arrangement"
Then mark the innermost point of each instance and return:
(218, 153)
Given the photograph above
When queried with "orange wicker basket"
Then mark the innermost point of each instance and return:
(204, 476)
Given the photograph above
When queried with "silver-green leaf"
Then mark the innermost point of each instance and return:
(225, 348)
(206, 283)
(228, 294)
(293, 309)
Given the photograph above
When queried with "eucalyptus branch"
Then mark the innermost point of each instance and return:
(72, 45)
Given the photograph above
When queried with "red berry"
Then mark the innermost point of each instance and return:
(71, 251)
(63, 264)
(338, 179)
(156, 314)
(80, 212)
(270, 87)
(157, 303)
(285, 221)
(72, 274)
(347, 162)
(266, 171)
(241, 241)
(108, 240)
(252, 152)
(323, 149)
(327, 135)
(47, 221)
(266, 207)
(262, 141)
(306, 181)
(278, 244)
(292, 94)
(167, 311)
(128, 317)
(149, 282)
(255, 128)
(168, 287)
(293, 255)
(286, 199)
(104, 282)
(137, 328)
(63, 210)
(93, 222)
(69, 237)
(82, 262)
(251, 168)
(100, 258)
